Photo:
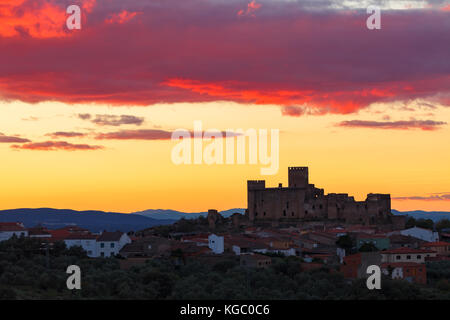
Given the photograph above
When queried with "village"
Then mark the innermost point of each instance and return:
(336, 247)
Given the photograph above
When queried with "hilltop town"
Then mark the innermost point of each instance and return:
(332, 233)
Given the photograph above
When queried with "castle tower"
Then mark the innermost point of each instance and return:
(252, 187)
(298, 177)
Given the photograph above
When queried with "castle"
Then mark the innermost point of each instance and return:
(302, 201)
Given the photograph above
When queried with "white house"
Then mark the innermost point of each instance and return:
(110, 243)
(87, 241)
(420, 233)
(216, 243)
(9, 229)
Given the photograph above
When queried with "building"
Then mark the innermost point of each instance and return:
(86, 241)
(303, 201)
(379, 241)
(355, 266)
(410, 271)
(216, 243)
(421, 233)
(147, 247)
(406, 255)
(440, 247)
(110, 243)
(242, 245)
(39, 232)
(255, 261)
(401, 241)
(10, 229)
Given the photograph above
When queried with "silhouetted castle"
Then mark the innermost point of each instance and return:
(303, 201)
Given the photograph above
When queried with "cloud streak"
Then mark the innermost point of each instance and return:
(12, 139)
(431, 197)
(427, 125)
(112, 120)
(153, 134)
(64, 134)
(55, 145)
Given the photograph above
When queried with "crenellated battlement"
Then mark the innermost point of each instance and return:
(302, 200)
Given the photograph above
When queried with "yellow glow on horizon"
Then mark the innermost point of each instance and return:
(129, 176)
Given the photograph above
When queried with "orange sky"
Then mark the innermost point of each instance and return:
(128, 175)
(86, 115)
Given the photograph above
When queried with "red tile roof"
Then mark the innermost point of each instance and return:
(11, 226)
(406, 250)
(436, 244)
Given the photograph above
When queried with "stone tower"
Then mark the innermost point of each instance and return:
(298, 177)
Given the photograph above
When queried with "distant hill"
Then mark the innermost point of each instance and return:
(161, 214)
(419, 214)
(95, 221)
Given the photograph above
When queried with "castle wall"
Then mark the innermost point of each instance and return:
(303, 201)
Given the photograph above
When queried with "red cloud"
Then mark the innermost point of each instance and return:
(427, 125)
(55, 145)
(122, 17)
(40, 19)
(323, 61)
(43, 19)
(251, 8)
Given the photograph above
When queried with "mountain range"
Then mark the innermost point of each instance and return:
(176, 215)
(420, 214)
(97, 221)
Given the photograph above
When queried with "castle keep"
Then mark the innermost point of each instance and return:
(303, 201)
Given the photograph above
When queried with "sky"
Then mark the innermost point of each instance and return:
(86, 116)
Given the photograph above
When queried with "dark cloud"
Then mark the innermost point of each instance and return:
(326, 60)
(84, 116)
(431, 197)
(292, 111)
(12, 139)
(113, 120)
(427, 125)
(64, 134)
(143, 134)
(55, 145)
(152, 134)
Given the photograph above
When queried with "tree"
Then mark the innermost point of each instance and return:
(443, 224)
(345, 242)
(411, 222)
(368, 247)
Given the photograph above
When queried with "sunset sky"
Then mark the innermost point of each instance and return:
(86, 115)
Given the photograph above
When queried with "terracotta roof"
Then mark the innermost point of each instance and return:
(436, 244)
(406, 250)
(38, 231)
(11, 226)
